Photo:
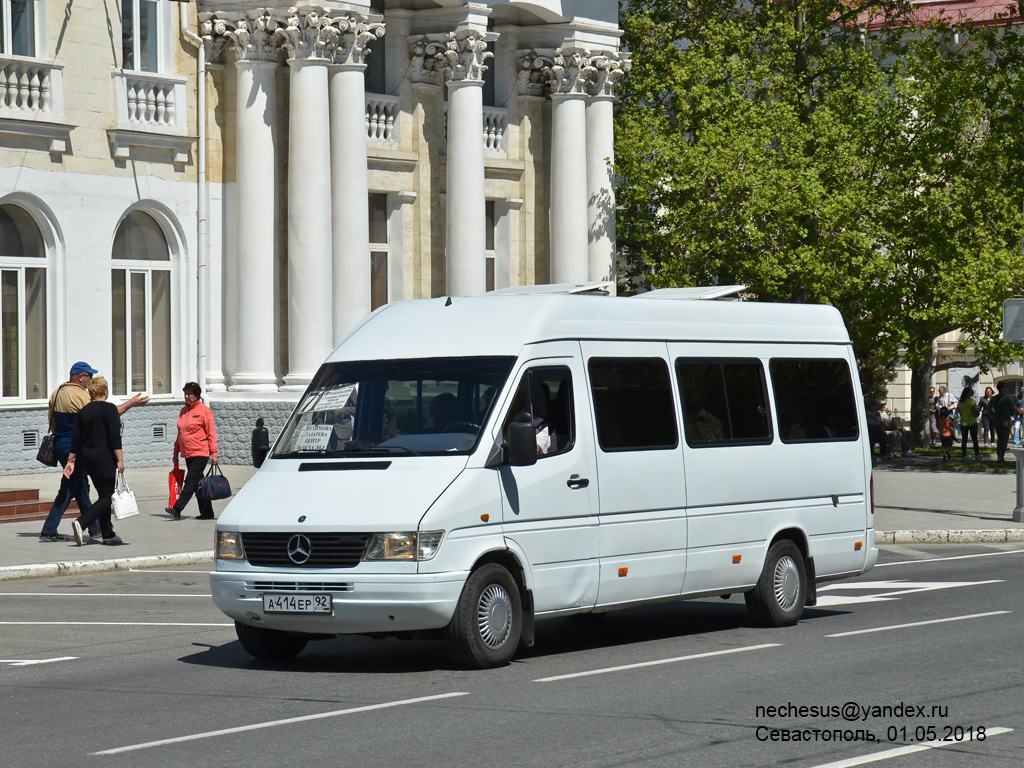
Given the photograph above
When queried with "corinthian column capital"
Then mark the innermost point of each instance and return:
(248, 37)
(456, 57)
(608, 68)
(307, 34)
(353, 34)
(532, 65)
(463, 57)
(569, 72)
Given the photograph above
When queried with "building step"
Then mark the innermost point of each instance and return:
(21, 505)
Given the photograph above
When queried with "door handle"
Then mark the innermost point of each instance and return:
(576, 482)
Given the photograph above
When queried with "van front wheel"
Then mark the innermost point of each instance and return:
(488, 620)
(269, 644)
(781, 591)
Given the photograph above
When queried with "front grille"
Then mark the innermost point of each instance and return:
(327, 550)
(299, 586)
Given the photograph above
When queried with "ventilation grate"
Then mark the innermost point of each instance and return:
(29, 439)
(159, 432)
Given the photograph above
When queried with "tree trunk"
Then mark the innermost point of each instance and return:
(920, 380)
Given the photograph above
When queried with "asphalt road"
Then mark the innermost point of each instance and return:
(139, 668)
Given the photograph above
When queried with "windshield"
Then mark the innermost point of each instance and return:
(413, 407)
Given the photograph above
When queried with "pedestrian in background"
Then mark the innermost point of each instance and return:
(65, 403)
(969, 412)
(933, 417)
(988, 430)
(1004, 409)
(946, 432)
(197, 442)
(96, 452)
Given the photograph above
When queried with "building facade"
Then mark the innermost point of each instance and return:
(221, 191)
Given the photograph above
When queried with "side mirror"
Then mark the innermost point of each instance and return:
(522, 441)
(260, 444)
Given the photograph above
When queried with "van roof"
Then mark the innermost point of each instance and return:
(502, 324)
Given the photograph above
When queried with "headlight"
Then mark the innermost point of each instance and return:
(229, 546)
(404, 545)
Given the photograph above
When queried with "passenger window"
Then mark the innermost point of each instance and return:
(725, 402)
(633, 404)
(815, 400)
(546, 394)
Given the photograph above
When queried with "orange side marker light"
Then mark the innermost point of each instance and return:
(736, 559)
(623, 572)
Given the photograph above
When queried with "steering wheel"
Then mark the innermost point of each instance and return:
(462, 426)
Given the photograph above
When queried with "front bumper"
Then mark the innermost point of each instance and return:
(361, 603)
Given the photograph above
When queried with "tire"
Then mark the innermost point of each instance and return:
(488, 620)
(269, 644)
(781, 591)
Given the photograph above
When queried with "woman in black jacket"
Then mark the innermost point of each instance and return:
(96, 452)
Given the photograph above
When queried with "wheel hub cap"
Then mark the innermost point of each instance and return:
(787, 583)
(494, 616)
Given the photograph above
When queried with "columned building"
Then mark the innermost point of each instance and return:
(263, 177)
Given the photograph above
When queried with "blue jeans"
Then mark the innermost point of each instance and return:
(79, 492)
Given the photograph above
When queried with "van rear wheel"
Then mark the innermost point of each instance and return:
(781, 591)
(488, 620)
(269, 644)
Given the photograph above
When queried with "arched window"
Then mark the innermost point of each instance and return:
(141, 298)
(22, 305)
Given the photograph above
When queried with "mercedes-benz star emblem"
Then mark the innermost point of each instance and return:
(299, 549)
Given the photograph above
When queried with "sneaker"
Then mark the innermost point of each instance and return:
(113, 541)
(52, 537)
(175, 514)
(76, 529)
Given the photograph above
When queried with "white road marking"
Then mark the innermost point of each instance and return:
(951, 557)
(99, 594)
(112, 624)
(899, 588)
(272, 723)
(655, 663)
(908, 750)
(31, 662)
(919, 623)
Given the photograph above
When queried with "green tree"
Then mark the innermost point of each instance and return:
(786, 146)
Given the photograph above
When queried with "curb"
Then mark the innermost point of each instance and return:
(41, 570)
(981, 536)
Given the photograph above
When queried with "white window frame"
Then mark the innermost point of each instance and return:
(19, 266)
(144, 267)
(38, 19)
(160, 36)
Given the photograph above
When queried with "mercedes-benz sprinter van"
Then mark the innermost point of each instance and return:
(471, 465)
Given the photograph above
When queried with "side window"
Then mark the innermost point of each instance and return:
(546, 394)
(725, 402)
(814, 400)
(633, 403)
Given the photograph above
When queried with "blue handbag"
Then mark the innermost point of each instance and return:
(214, 485)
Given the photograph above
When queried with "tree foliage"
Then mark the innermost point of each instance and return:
(831, 152)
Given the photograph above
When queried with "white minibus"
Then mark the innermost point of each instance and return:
(472, 465)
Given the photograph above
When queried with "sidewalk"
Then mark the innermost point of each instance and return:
(913, 504)
(151, 539)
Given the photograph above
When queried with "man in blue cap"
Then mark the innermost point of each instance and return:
(65, 403)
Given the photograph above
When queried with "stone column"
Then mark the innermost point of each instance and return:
(349, 189)
(461, 63)
(250, 41)
(306, 38)
(567, 78)
(608, 68)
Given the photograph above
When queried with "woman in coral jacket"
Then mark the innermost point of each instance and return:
(197, 442)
